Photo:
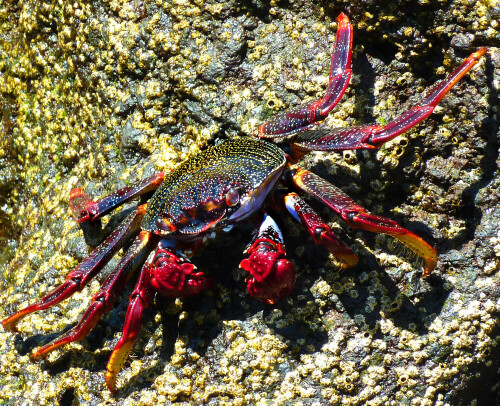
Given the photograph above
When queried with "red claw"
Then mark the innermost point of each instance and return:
(272, 275)
(168, 272)
(280, 274)
(173, 276)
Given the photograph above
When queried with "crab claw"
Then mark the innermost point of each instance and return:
(172, 275)
(280, 275)
(272, 275)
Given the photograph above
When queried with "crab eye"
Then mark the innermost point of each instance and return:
(165, 225)
(232, 197)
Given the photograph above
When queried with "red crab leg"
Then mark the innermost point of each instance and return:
(372, 136)
(85, 209)
(312, 113)
(139, 300)
(318, 229)
(357, 217)
(272, 275)
(103, 300)
(77, 279)
(168, 272)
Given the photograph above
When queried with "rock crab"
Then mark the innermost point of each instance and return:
(226, 184)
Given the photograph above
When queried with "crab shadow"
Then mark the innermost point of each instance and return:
(368, 282)
(488, 131)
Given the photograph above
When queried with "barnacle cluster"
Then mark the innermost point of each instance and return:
(89, 90)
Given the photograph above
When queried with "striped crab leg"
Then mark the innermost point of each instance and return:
(104, 298)
(84, 209)
(357, 217)
(309, 114)
(373, 136)
(166, 271)
(320, 232)
(78, 278)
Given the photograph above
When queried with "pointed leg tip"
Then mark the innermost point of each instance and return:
(342, 18)
(118, 357)
(80, 205)
(76, 192)
(479, 53)
(348, 260)
(426, 273)
(111, 381)
(38, 354)
(429, 266)
(41, 353)
(10, 325)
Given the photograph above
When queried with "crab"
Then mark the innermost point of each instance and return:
(221, 186)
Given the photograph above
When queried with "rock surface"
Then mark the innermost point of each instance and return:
(101, 94)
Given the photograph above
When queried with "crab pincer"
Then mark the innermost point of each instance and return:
(272, 274)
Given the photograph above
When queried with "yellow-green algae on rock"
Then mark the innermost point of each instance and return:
(101, 94)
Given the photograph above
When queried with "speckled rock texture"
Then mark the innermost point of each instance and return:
(100, 94)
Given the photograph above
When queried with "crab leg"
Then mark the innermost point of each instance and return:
(373, 136)
(312, 113)
(77, 279)
(318, 229)
(272, 275)
(103, 300)
(139, 300)
(85, 209)
(166, 271)
(357, 217)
